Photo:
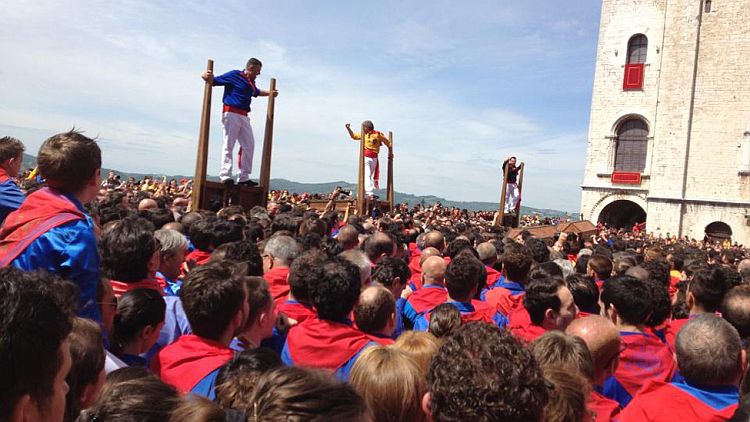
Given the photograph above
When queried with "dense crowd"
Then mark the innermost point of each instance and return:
(122, 303)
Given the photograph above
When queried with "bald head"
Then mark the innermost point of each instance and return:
(147, 204)
(603, 341)
(638, 272)
(487, 253)
(374, 313)
(428, 253)
(348, 237)
(174, 226)
(433, 270)
(434, 239)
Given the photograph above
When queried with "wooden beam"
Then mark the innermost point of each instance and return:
(389, 187)
(520, 186)
(265, 164)
(361, 200)
(199, 180)
(499, 222)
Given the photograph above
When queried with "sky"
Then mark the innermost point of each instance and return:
(461, 85)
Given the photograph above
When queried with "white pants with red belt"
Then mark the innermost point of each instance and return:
(511, 197)
(237, 129)
(370, 164)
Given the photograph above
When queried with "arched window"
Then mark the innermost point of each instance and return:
(637, 49)
(631, 146)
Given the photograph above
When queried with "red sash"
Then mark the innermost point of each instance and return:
(278, 284)
(603, 408)
(200, 257)
(644, 358)
(504, 300)
(492, 276)
(42, 211)
(427, 298)
(660, 401)
(383, 341)
(188, 360)
(416, 270)
(296, 311)
(317, 343)
(520, 325)
(121, 287)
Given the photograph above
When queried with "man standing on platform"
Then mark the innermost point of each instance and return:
(373, 141)
(512, 195)
(239, 88)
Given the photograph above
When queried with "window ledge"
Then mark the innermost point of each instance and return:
(643, 175)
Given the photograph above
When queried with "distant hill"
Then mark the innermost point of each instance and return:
(29, 161)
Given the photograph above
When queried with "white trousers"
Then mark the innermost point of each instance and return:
(370, 164)
(237, 129)
(511, 197)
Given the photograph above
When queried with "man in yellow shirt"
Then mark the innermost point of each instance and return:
(373, 140)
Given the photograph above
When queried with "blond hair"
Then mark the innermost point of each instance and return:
(391, 382)
(421, 346)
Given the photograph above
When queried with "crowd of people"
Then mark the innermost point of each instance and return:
(122, 303)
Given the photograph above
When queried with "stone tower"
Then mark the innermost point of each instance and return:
(669, 135)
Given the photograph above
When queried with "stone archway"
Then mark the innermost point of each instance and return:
(718, 231)
(622, 214)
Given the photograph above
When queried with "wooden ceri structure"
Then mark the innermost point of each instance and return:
(215, 195)
(514, 219)
(364, 204)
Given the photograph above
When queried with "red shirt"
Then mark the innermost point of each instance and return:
(604, 409)
(277, 283)
(200, 257)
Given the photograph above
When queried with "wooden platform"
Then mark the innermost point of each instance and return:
(342, 204)
(217, 195)
(583, 228)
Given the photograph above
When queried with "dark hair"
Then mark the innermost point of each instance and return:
(258, 297)
(377, 245)
(631, 296)
(245, 251)
(68, 160)
(388, 269)
(661, 304)
(483, 373)
(212, 294)
(238, 377)
(601, 265)
(658, 269)
(87, 355)
(373, 315)
(541, 294)
(10, 148)
(585, 292)
(294, 395)
(337, 290)
(202, 233)
(253, 62)
(537, 248)
(34, 323)
(444, 320)
(145, 399)
(517, 261)
(224, 231)
(284, 222)
(126, 247)
(305, 270)
(581, 264)
(136, 310)
(157, 216)
(457, 246)
(462, 276)
(708, 288)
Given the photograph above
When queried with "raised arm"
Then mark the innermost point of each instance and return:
(353, 135)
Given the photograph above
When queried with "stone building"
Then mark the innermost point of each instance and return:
(669, 135)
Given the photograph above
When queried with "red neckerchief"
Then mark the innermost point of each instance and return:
(426, 298)
(40, 212)
(297, 311)
(278, 284)
(520, 325)
(121, 287)
(249, 81)
(188, 360)
(318, 343)
(4, 176)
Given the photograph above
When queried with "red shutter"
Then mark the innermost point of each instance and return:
(626, 178)
(633, 77)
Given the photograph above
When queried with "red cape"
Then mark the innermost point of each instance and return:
(296, 311)
(200, 257)
(670, 331)
(318, 343)
(383, 341)
(42, 211)
(520, 325)
(425, 299)
(188, 360)
(416, 270)
(660, 401)
(644, 358)
(603, 408)
(492, 276)
(277, 283)
(504, 300)
(120, 287)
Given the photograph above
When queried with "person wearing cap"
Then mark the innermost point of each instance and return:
(239, 88)
(373, 140)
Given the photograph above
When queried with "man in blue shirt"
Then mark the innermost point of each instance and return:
(239, 89)
(11, 158)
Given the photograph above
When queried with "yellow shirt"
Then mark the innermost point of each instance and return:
(373, 140)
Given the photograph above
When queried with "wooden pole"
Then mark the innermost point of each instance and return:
(502, 196)
(361, 201)
(520, 186)
(201, 161)
(265, 164)
(390, 193)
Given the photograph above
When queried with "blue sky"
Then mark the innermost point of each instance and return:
(461, 85)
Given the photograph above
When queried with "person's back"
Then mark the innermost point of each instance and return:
(51, 231)
(328, 341)
(710, 358)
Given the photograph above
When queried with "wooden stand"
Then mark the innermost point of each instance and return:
(509, 220)
(215, 195)
(364, 205)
